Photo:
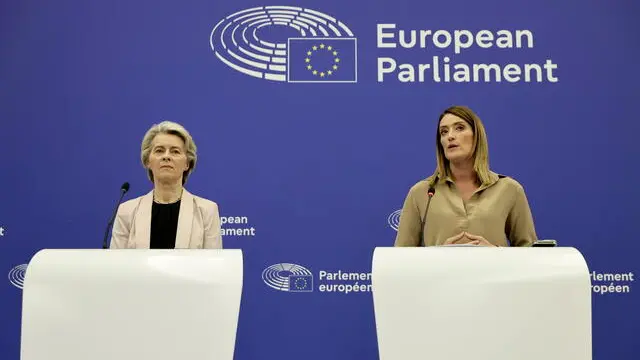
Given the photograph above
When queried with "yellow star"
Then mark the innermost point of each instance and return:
(309, 67)
(335, 53)
(309, 53)
(315, 48)
(315, 72)
(337, 60)
(321, 46)
(329, 72)
(329, 48)
(307, 60)
(321, 74)
(335, 67)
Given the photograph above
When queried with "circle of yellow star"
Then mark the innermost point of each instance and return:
(301, 283)
(317, 48)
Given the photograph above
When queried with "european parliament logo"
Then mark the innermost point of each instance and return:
(288, 277)
(288, 44)
(16, 275)
(394, 219)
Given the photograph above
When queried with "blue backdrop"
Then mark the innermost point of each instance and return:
(311, 173)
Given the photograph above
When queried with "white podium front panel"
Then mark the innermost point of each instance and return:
(131, 305)
(460, 303)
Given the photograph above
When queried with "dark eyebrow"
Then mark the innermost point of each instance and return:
(172, 147)
(455, 123)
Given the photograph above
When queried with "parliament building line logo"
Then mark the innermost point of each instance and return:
(394, 219)
(324, 52)
(288, 277)
(16, 275)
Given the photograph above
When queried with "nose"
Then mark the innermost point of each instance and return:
(450, 136)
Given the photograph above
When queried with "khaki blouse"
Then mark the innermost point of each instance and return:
(498, 211)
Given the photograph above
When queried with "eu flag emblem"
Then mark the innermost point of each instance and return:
(300, 283)
(328, 60)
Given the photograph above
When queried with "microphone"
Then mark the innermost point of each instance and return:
(123, 190)
(430, 194)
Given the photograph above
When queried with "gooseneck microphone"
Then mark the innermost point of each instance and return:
(430, 194)
(123, 190)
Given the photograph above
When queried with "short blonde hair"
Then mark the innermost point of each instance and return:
(172, 128)
(480, 147)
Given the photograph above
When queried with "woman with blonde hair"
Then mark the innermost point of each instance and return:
(464, 202)
(168, 217)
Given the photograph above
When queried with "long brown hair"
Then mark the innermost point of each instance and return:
(480, 147)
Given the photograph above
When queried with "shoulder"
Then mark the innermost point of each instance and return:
(509, 183)
(418, 191)
(420, 187)
(205, 206)
(129, 207)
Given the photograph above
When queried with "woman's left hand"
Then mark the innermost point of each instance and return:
(479, 240)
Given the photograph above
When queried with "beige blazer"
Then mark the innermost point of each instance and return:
(198, 224)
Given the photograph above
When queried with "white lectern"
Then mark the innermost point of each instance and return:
(460, 303)
(131, 305)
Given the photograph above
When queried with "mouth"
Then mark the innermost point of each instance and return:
(452, 146)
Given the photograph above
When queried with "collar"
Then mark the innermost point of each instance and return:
(493, 179)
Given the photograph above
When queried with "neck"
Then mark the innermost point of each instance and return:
(463, 172)
(166, 193)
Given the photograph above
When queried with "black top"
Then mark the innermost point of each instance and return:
(164, 225)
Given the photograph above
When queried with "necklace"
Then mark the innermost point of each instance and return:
(155, 199)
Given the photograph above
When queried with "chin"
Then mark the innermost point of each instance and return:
(456, 158)
(166, 177)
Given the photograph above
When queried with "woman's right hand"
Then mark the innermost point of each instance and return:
(461, 239)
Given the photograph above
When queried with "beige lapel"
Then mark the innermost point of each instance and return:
(143, 222)
(185, 220)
